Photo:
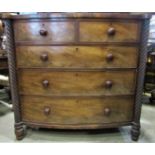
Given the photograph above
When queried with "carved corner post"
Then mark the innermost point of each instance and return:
(135, 131)
(19, 128)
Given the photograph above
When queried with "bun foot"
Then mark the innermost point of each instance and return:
(135, 131)
(19, 131)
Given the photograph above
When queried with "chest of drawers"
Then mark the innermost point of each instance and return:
(77, 70)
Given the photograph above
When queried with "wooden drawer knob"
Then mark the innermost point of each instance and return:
(47, 111)
(109, 57)
(108, 84)
(44, 57)
(107, 111)
(76, 49)
(43, 32)
(111, 31)
(45, 83)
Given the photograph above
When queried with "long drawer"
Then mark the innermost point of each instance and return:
(76, 110)
(44, 31)
(77, 56)
(47, 82)
(109, 31)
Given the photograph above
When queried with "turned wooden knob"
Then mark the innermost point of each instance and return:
(45, 83)
(108, 84)
(43, 32)
(44, 57)
(109, 57)
(47, 111)
(111, 31)
(76, 49)
(107, 111)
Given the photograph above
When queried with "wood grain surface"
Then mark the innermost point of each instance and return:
(76, 83)
(77, 56)
(56, 31)
(97, 32)
(76, 110)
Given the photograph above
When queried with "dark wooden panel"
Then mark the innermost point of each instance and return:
(55, 31)
(3, 63)
(77, 56)
(76, 111)
(42, 82)
(98, 31)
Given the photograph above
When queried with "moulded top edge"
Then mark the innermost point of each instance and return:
(123, 15)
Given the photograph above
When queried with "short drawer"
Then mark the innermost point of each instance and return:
(77, 56)
(76, 110)
(44, 32)
(109, 31)
(81, 83)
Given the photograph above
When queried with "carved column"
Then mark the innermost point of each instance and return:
(19, 129)
(135, 132)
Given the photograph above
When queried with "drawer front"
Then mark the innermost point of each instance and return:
(45, 82)
(76, 110)
(77, 56)
(45, 32)
(109, 31)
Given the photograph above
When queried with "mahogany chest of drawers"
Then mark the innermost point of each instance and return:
(77, 70)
